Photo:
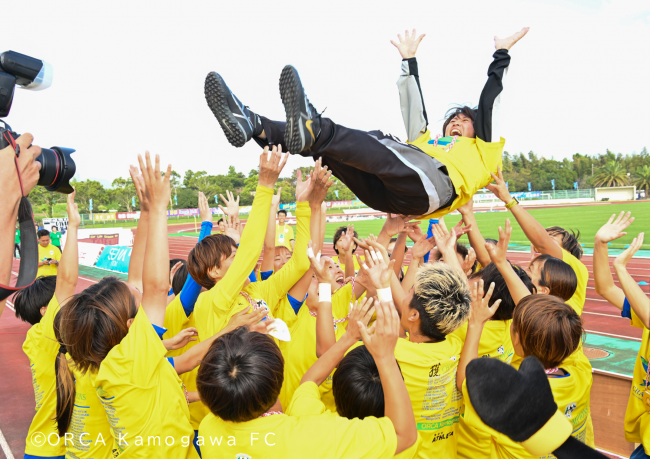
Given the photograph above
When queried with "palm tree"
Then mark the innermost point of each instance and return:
(642, 179)
(611, 174)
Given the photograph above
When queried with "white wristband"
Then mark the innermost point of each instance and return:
(310, 252)
(325, 293)
(385, 295)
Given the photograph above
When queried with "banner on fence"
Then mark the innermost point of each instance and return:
(115, 258)
(518, 195)
(103, 238)
(60, 223)
(104, 217)
(89, 253)
(128, 215)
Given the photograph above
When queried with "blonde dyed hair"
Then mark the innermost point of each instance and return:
(443, 297)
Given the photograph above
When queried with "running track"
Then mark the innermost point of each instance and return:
(17, 397)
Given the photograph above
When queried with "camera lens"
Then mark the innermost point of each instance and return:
(57, 168)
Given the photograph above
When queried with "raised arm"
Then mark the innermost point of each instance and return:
(481, 313)
(535, 232)
(68, 273)
(325, 335)
(498, 254)
(638, 300)
(604, 281)
(136, 263)
(155, 279)
(476, 240)
(419, 250)
(410, 93)
(399, 251)
(486, 123)
(252, 238)
(345, 251)
(269, 238)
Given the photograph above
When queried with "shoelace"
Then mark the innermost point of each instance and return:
(435, 142)
(337, 321)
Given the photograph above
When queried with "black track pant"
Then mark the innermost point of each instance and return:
(384, 173)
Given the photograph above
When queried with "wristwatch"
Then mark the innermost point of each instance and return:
(512, 203)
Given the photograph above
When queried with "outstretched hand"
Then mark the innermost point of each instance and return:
(157, 186)
(74, 219)
(481, 311)
(499, 252)
(271, 166)
(362, 312)
(499, 188)
(623, 259)
(408, 45)
(320, 265)
(232, 228)
(381, 343)
(615, 227)
(232, 204)
(138, 183)
(181, 339)
(508, 42)
(379, 272)
(204, 208)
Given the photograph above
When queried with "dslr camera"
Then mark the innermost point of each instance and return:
(57, 166)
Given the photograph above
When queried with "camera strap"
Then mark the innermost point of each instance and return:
(28, 241)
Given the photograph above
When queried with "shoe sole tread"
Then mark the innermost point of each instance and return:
(215, 94)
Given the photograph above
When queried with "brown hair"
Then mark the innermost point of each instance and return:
(241, 375)
(207, 254)
(87, 327)
(457, 111)
(557, 276)
(339, 234)
(570, 241)
(548, 328)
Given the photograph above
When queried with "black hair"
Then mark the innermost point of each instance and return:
(179, 279)
(570, 240)
(219, 221)
(282, 211)
(241, 375)
(356, 385)
(491, 274)
(339, 234)
(491, 241)
(453, 112)
(29, 301)
(558, 276)
(42, 233)
(463, 251)
(173, 261)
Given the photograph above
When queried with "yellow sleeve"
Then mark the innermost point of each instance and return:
(275, 287)
(57, 255)
(291, 235)
(224, 293)
(577, 301)
(48, 339)
(306, 401)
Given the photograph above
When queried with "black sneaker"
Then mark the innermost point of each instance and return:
(303, 123)
(237, 121)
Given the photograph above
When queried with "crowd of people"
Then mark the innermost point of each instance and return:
(456, 353)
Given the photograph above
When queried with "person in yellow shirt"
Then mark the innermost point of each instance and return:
(38, 304)
(547, 328)
(422, 177)
(48, 255)
(284, 232)
(240, 380)
(634, 305)
(345, 247)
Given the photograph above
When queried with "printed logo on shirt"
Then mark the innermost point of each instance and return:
(500, 351)
(569, 410)
(644, 364)
(242, 456)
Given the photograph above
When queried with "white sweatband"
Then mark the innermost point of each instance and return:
(385, 295)
(310, 252)
(325, 293)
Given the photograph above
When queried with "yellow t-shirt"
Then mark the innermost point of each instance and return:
(307, 430)
(356, 263)
(571, 393)
(495, 343)
(44, 253)
(41, 349)
(300, 353)
(216, 307)
(469, 164)
(429, 371)
(284, 236)
(176, 320)
(637, 419)
(577, 301)
(143, 396)
(92, 435)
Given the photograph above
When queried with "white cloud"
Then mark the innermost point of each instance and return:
(129, 75)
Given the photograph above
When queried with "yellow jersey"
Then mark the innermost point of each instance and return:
(143, 396)
(429, 371)
(307, 429)
(92, 435)
(284, 236)
(469, 165)
(43, 254)
(215, 308)
(637, 418)
(577, 301)
(42, 349)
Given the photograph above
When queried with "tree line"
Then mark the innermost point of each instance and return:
(608, 169)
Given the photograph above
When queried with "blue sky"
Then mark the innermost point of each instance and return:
(129, 75)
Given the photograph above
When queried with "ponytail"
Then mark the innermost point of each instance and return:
(65, 385)
(65, 393)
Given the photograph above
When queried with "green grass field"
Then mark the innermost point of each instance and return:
(586, 219)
